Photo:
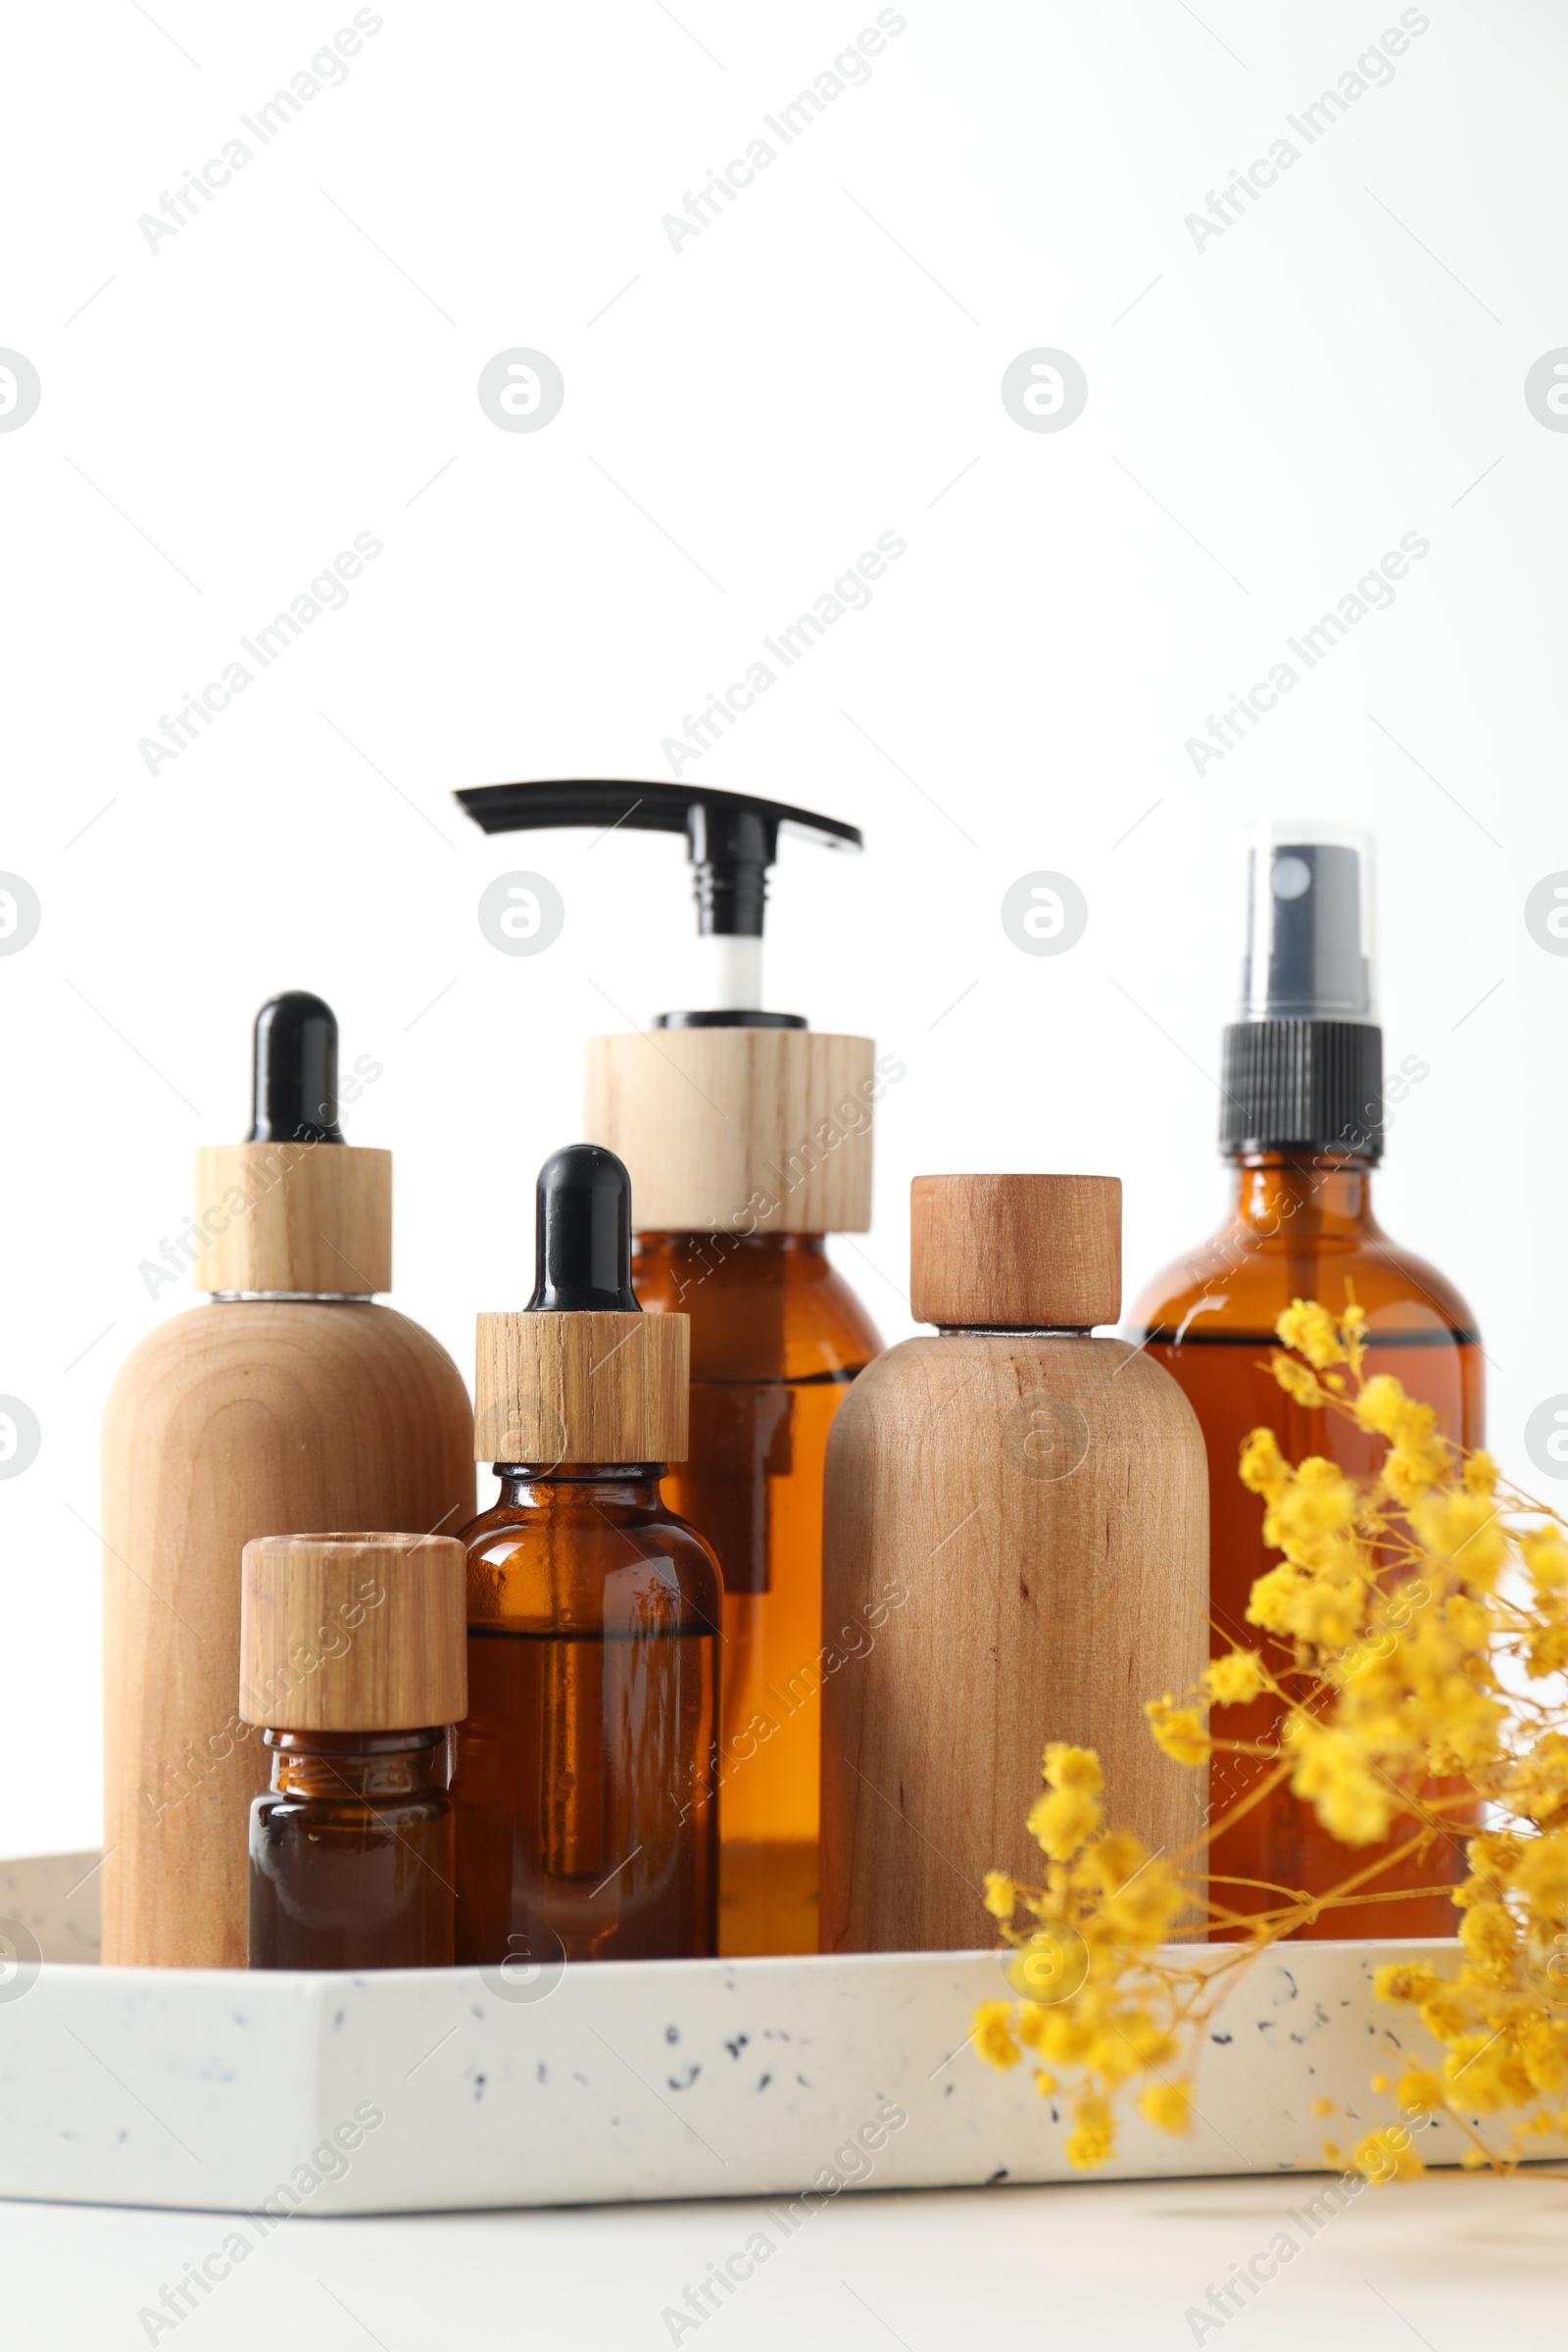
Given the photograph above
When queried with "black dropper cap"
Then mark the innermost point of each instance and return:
(731, 837)
(296, 1071)
(582, 1251)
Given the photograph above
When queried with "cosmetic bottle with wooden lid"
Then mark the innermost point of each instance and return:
(352, 1658)
(747, 1137)
(584, 1774)
(290, 1400)
(1015, 1552)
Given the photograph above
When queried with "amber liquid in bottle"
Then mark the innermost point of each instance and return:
(1301, 1227)
(583, 1777)
(350, 1852)
(777, 1336)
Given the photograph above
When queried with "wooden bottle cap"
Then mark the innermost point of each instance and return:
(314, 1219)
(353, 1632)
(596, 1386)
(738, 1130)
(1015, 1253)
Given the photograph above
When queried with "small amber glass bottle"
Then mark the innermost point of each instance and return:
(777, 1336)
(584, 1776)
(1302, 1121)
(351, 1657)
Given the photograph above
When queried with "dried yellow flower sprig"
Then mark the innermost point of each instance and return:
(1421, 1617)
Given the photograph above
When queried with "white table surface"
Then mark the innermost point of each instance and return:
(1452, 2263)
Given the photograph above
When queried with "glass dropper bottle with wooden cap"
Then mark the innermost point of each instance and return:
(1302, 1119)
(584, 1776)
(748, 1136)
(352, 1655)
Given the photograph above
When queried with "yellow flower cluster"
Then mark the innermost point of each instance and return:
(1092, 2006)
(1414, 1619)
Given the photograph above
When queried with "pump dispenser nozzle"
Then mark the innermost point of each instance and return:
(1303, 1058)
(732, 840)
(583, 1247)
(1308, 930)
(296, 1071)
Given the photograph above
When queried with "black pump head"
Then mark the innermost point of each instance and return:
(296, 1071)
(732, 838)
(582, 1252)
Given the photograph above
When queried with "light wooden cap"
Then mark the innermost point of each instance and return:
(738, 1130)
(1015, 1252)
(312, 1217)
(353, 1632)
(581, 1387)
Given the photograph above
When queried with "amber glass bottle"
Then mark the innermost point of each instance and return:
(748, 1136)
(777, 1336)
(1303, 1121)
(352, 1657)
(583, 1777)
(350, 1852)
(583, 1782)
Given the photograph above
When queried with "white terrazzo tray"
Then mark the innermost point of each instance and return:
(434, 2090)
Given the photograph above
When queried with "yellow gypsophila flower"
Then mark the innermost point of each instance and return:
(1300, 1385)
(1331, 1773)
(1313, 1331)
(1061, 1819)
(1000, 1896)
(1462, 1529)
(1319, 1500)
(1235, 1679)
(1546, 1556)
(1263, 1469)
(1388, 2155)
(1094, 2137)
(1168, 2106)
(1067, 1767)
(1178, 1731)
(992, 2033)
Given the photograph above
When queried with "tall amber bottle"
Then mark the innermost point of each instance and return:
(584, 1774)
(777, 1336)
(749, 1140)
(1303, 1123)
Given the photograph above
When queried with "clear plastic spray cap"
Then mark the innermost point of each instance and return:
(1309, 925)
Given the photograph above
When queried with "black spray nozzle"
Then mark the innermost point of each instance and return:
(732, 839)
(296, 1071)
(582, 1261)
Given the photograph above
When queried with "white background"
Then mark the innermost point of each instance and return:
(821, 365)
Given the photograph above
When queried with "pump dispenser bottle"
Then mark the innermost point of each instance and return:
(747, 1137)
(1016, 1551)
(1301, 1122)
(292, 1401)
(583, 1777)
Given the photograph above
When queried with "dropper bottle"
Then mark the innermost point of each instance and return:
(583, 1775)
(1302, 1120)
(747, 1137)
(292, 1398)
